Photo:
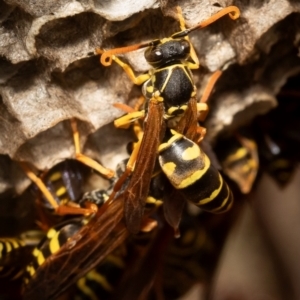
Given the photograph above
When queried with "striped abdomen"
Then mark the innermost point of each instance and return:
(15, 253)
(55, 238)
(10, 252)
(190, 171)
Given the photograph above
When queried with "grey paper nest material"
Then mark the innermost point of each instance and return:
(49, 74)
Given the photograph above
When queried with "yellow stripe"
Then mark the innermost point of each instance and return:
(54, 244)
(239, 154)
(55, 176)
(81, 283)
(195, 176)
(213, 195)
(191, 153)
(217, 210)
(61, 191)
(30, 270)
(116, 260)
(93, 275)
(176, 136)
(169, 168)
(35, 252)
(175, 108)
(40, 258)
(8, 247)
(51, 233)
(17, 243)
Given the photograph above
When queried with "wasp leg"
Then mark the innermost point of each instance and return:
(85, 159)
(202, 109)
(201, 131)
(232, 11)
(58, 209)
(75, 210)
(210, 85)
(126, 108)
(108, 56)
(39, 183)
(126, 120)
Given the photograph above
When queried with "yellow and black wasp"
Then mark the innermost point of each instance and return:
(72, 249)
(107, 230)
(170, 94)
(61, 187)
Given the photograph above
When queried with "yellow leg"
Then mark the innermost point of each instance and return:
(68, 209)
(40, 184)
(85, 159)
(201, 131)
(126, 120)
(202, 109)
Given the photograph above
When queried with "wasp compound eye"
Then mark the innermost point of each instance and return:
(154, 55)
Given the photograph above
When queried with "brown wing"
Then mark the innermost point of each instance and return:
(138, 187)
(80, 254)
(189, 122)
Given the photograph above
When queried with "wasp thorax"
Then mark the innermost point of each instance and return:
(168, 51)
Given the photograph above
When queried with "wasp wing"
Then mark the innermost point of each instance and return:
(81, 253)
(138, 187)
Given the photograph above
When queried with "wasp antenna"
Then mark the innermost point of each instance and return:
(107, 56)
(232, 11)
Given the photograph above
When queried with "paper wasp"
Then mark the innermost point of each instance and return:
(61, 186)
(170, 94)
(77, 246)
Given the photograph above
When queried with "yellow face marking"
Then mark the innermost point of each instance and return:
(195, 176)
(61, 191)
(214, 194)
(191, 152)
(169, 168)
(55, 176)
(54, 244)
(100, 279)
